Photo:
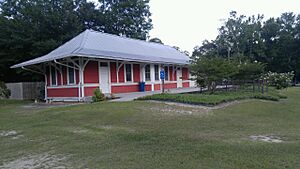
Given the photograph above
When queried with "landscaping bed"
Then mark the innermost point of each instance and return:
(220, 96)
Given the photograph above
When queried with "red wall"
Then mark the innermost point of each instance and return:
(59, 82)
(91, 72)
(170, 85)
(136, 73)
(113, 72)
(186, 84)
(148, 87)
(89, 91)
(77, 76)
(125, 89)
(121, 74)
(185, 74)
(157, 87)
(63, 92)
(171, 73)
(64, 73)
(48, 76)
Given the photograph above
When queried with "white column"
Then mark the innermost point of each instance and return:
(152, 76)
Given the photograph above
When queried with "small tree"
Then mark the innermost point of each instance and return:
(4, 91)
(209, 71)
(279, 80)
(98, 96)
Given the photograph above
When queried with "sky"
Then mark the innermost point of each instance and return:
(186, 23)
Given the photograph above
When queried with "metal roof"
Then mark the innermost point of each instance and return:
(93, 44)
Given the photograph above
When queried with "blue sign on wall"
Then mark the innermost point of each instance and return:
(162, 74)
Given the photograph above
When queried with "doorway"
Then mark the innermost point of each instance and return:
(104, 77)
(179, 77)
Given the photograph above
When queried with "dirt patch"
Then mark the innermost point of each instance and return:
(219, 106)
(8, 133)
(48, 105)
(266, 138)
(37, 161)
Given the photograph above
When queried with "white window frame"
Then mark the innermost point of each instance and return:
(125, 75)
(51, 84)
(158, 72)
(68, 77)
(149, 72)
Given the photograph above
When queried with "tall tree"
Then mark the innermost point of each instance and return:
(33, 28)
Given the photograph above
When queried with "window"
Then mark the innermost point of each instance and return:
(71, 75)
(128, 73)
(156, 72)
(53, 76)
(166, 72)
(147, 73)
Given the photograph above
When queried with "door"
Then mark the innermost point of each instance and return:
(179, 77)
(104, 77)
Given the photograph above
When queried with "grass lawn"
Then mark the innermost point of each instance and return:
(146, 135)
(218, 97)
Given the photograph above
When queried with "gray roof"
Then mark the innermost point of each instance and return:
(93, 44)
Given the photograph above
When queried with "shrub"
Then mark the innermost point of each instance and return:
(279, 80)
(98, 96)
(4, 91)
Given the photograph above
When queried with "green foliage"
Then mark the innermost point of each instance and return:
(249, 70)
(273, 42)
(279, 80)
(4, 91)
(29, 29)
(148, 135)
(216, 98)
(211, 70)
(98, 96)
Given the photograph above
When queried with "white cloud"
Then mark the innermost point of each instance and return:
(187, 23)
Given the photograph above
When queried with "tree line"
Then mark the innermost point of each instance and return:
(274, 42)
(33, 28)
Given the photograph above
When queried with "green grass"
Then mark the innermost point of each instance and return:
(218, 97)
(155, 135)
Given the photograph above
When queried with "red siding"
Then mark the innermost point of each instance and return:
(125, 89)
(157, 87)
(186, 84)
(89, 91)
(63, 92)
(59, 82)
(48, 77)
(121, 74)
(171, 73)
(175, 76)
(148, 87)
(136, 73)
(77, 76)
(65, 78)
(113, 72)
(185, 74)
(170, 85)
(91, 72)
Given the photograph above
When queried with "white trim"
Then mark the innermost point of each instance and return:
(68, 77)
(124, 84)
(58, 87)
(109, 75)
(145, 72)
